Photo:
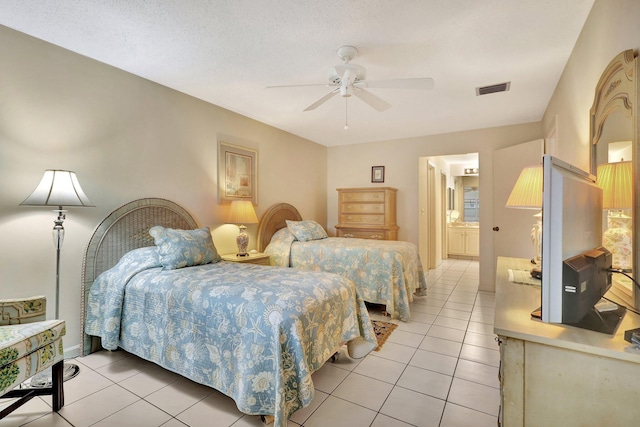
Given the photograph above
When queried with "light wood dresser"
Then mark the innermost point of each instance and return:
(559, 375)
(367, 213)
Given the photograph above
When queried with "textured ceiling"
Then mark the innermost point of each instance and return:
(227, 51)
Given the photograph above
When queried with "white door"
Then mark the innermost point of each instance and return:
(512, 227)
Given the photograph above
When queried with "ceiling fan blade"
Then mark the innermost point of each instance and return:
(322, 100)
(300, 85)
(425, 83)
(377, 103)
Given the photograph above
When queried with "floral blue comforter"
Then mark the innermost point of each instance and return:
(385, 272)
(254, 333)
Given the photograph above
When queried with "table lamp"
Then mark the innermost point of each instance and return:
(616, 180)
(241, 213)
(527, 194)
(57, 188)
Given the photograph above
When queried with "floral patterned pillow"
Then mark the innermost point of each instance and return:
(184, 248)
(280, 247)
(306, 230)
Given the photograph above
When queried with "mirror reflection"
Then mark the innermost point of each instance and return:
(612, 138)
(466, 199)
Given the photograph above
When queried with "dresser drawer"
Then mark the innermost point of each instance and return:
(362, 196)
(362, 219)
(367, 234)
(363, 234)
(368, 208)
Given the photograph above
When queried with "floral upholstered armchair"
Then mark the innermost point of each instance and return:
(29, 344)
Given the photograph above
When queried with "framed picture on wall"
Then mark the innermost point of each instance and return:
(377, 174)
(237, 173)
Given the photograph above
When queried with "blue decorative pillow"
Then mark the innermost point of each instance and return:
(306, 230)
(184, 248)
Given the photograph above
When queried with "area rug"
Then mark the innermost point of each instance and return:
(382, 330)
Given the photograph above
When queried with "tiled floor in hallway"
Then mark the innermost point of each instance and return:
(438, 370)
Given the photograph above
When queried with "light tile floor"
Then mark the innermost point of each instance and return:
(438, 370)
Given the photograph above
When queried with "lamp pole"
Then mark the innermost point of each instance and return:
(58, 239)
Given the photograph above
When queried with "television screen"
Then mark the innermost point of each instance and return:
(574, 264)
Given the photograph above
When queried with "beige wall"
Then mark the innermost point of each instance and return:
(126, 138)
(611, 28)
(350, 166)
(129, 138)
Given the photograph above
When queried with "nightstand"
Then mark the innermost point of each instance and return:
(255, 258)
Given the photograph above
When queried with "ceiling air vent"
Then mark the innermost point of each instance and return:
(485, 90)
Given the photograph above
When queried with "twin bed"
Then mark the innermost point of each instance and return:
(385, 272)
(153, 285)
(254, 333)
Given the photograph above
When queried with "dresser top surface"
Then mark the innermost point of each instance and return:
(515, 302)
(368, 189)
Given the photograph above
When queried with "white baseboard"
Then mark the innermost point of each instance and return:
(72, 352)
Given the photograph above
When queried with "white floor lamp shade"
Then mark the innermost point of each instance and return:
(57, 188)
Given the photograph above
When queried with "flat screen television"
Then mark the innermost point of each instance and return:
(575, 265)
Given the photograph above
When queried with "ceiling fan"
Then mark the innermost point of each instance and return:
(350, 79)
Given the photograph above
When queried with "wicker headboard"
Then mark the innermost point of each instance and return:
(125, 229)
(273, 220)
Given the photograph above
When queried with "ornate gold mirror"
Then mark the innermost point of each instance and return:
(614, 148)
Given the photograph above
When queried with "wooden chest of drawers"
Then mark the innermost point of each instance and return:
(367, 213)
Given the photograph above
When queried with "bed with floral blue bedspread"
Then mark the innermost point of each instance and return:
(254, 333)
(385, 272)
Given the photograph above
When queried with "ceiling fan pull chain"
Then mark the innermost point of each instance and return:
(346, 121)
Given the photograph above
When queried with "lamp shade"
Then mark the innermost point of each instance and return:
(242, 212)
(616, 180)
(58, 188)
(527, 193)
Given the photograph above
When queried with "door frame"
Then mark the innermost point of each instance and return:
(431, 215)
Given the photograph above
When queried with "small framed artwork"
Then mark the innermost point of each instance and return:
(237, 173)
(377, 173)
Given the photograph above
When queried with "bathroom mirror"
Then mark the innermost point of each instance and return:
(467, 198)
(614, 137)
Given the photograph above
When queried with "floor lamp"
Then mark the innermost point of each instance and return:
(57, 188)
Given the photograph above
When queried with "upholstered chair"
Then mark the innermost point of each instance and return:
(29, 344)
